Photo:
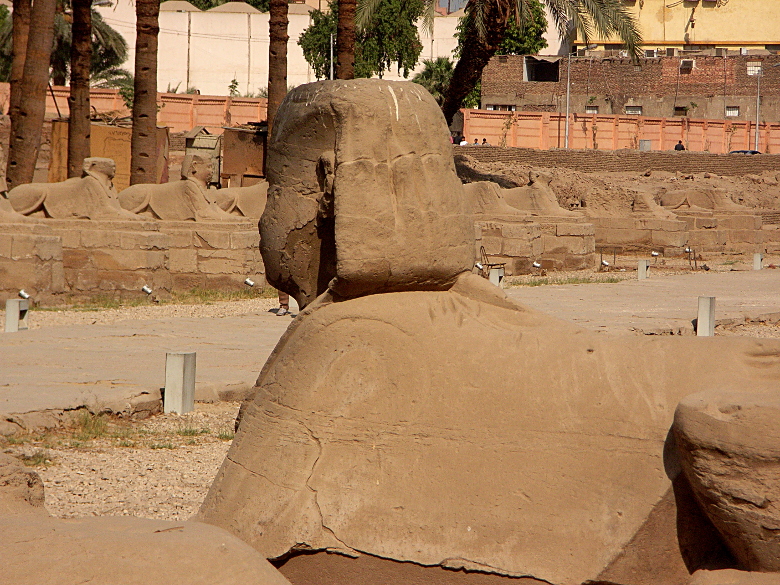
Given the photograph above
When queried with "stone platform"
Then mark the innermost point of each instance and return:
(87, 258)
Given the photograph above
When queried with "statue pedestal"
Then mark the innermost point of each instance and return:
(31, 258)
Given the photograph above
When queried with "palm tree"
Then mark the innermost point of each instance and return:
(435, 77)
(143, 146)
(27, 117)
(20, 28)
(345, 39)
(277, 58)
(490, 19)
(79, 125)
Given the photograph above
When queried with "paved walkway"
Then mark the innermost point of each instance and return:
(64, 367)
(68, 366)
(664, 304)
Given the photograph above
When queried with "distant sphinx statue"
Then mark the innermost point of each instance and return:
(537, 197)
(91, 196)
(191, 199)
(184, 200)
(701, 199)
(412, 412)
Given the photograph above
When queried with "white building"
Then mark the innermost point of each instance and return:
(207, 50)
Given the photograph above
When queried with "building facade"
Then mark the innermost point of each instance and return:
(700, 25)
(696, 85)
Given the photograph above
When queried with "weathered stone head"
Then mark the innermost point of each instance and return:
(363, 194)
(198, 167)
(100, 166)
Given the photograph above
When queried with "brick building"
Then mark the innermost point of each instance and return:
(698, 85)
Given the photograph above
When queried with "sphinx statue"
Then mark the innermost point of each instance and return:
(183, 200)
(537, 197)
(412, 412)
(190, 199)
(700, 199)
(91, 196)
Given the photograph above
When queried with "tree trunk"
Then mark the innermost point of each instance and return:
(79, 126)
(345, 40)
(28, 116)
(476, 54)
(19, 35)
(143, 148)
(277, 58)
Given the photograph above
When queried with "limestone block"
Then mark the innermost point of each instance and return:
(550, 229)
(623, 236)
(740, 222)
(181, 238)
(566, 245)
(705, 223)
(6, 241)
(663, 238)
(477, 231)
(220, 262)
(537, 247)
(71, 238)
(128, 259)
(23, 246)
(747, 236)
(144, 241)
(575, 229)
(513, 230)
(492, 245)
(57, 277)
(48, 247)
(187, 281)
(215, 240)
(245, 240)
(73, 259)
(666, 225)
(729, 447)
(182, 260)
(516, 248)
(707, 238)
(100, 238)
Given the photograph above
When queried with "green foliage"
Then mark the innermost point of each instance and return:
(390, 39)
(90, 426)
(109, 49)
(233, 87)
(435, 77)
(525, 40)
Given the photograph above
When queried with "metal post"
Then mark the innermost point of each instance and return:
(331, 56)
(568, 100)
(705, 319)
(179, 382)
(643, 269)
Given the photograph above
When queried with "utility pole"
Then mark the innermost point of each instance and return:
(568, 100)
(758, 106)
(331, 56)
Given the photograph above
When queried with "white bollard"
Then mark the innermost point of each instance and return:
(179, 382)
(16, 315)
(758, 259)
(496, 276)
(294, 308)
(643, 269)
(705, 321)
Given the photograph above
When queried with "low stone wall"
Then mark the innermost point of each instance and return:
(592, 161)
(120, 257)
(641, 233)
(556, 245)
(30, 259)
(87, 258)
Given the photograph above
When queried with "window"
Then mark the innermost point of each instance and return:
(732, 111)
(687, 65)
(634, 110)
(500, 108)
(591, 109)
(680, 111)
(540, 70)
(754, 67)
